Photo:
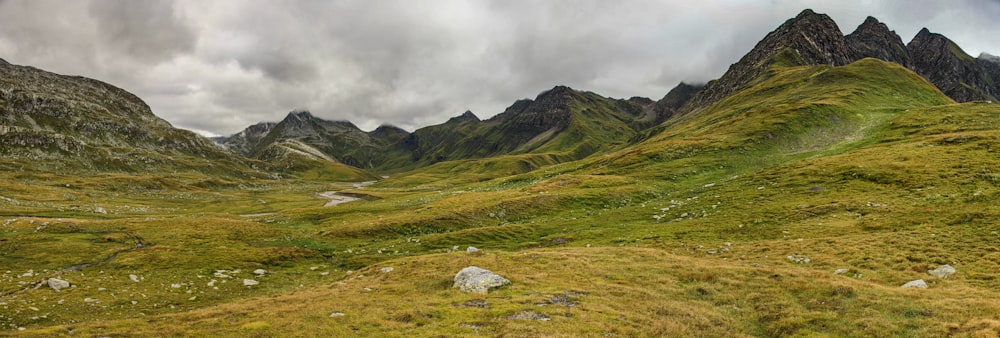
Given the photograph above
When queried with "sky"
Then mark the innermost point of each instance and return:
(216, 67)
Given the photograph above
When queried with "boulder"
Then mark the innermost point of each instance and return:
(917, 284)
(57, 284)
(260, 272)
(479, 280)
(250, 282)
(943, 271)
(471, 250)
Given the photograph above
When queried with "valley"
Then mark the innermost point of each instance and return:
(797, 204)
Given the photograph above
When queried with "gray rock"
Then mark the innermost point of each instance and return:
(385, 270)
(260, 272)
(799, 259)
(529, 315)
(337, 314)
(840, 271)
(250, 282)
(917, 284)
(134, 278)
(943, 271)
(57, 284)
(471, 250)
(475, 279)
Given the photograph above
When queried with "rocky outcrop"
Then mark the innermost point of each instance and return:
(944, 64)
(873, 39)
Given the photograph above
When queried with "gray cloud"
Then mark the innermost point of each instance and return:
(218, 66)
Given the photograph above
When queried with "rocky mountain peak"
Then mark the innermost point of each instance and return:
(874, 39)
(466, 116)
(947, 66)
(807, 39)
(299, 115)
(989, 57)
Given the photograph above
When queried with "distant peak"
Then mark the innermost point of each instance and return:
(466, 116)
(871, 20)
(989, 57)
(806, 13)
(300, 114)
(556, 91)
(924, 32)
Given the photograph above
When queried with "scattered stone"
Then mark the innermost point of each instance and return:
(471, 250)
(57, 284)
(337, 314)
(175, 286)
(476, 303)
(475, 279)
(221, 274)
(385, 270)
(259, 272)
(313, 268)
(840, 271)
(134, 278)
(918, 284)
(134, 302)
(250, 282)
(193, 298)
(942, 272)
(89, 300)
(529, 315)
(212, 282)
(799, 259)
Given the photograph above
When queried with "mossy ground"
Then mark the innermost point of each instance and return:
(686, 233)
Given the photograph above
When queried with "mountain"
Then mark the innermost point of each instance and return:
(563, 122)
(814, 39)
(674, 100)
(942, 62)
(807, 39)
(873, 39)
(60, 123)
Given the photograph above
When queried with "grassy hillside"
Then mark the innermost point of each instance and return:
(701, 229)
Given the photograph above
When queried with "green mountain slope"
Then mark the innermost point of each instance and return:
(703, 228)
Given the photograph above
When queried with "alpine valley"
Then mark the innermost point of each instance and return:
(825, 185)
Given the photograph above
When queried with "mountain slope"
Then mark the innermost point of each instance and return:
(75, 124)
(872, 171)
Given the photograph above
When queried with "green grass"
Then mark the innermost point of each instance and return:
(864, 167)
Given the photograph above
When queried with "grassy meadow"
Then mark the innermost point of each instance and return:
(697, 229)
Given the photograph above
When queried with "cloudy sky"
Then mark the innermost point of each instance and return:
(217, 66)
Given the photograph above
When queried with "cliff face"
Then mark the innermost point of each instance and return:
(943, 63)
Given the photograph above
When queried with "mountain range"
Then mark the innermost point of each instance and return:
(824, 186)
(554, 124)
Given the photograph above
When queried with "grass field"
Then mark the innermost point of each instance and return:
(688, 232)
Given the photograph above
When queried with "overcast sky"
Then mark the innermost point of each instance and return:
(216, 67)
